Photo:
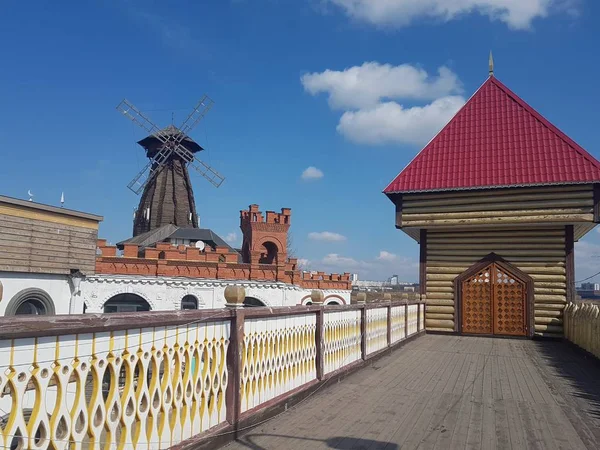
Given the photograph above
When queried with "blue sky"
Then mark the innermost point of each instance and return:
(353, 88)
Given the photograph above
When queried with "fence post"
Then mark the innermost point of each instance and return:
(406, 319)
(234, 296)
(362, 301)
(388, 297)
(317, 298)
(418, 317)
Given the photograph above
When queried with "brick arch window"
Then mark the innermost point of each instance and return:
(189, 302)
(252, 301)
(126, 302)
(269, 252)
(31, 301)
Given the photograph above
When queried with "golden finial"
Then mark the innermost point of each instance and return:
(491, 64)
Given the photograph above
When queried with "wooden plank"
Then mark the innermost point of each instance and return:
(534, 192)
(43, 227)
(460, 212)
(488, 207)
(87, 244)
(423, 250)
(570, 262)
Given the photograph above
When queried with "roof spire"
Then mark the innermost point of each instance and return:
(491, 63)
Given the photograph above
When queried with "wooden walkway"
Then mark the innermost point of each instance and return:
(446, 392)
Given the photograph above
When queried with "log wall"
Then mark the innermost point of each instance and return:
(531, 206)
(539, 253)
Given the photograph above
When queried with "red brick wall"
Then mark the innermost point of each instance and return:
(168, 260)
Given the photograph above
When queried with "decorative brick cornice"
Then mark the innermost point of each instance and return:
(167, 261)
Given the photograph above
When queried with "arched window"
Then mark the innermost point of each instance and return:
(126, 303)
(268, 253)
(31, 301)
(251, 301)
(189, 302)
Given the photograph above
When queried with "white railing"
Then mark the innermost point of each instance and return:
(141, 387)
(278, 356)
(398, 325)
(342, 340)
(153, 380)
(377, 329)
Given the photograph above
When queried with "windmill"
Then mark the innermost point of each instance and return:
(167, 195)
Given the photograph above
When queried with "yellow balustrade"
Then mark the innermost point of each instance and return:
(278, 355)
(376, 329)
(104, 382)
(398, 323)
(342, 339)
(131, 389)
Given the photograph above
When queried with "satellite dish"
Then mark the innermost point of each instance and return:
(200, 245)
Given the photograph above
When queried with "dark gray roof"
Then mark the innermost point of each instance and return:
(150, 238)
(200, 234)
(152, 144)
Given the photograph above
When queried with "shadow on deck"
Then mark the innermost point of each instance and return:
(450, 392)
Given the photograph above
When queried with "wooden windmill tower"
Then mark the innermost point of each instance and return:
(167, 195)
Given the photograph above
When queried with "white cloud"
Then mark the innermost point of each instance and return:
(517, 14)
(372, 94)
(231, 238)
(378, 268)
(312, 173)
(335, 260)
(392, 123)
(386, 256)
(365, 86)
(303, 263)
(326, 236)
(587, 260)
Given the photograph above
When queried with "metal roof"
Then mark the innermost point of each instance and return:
(49, 208)
(496, 140)
(171, 231)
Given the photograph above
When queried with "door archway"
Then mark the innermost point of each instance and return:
(494, 298)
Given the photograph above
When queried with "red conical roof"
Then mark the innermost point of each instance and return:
(496, 140)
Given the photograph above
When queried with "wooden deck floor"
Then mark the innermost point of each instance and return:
(450, 393)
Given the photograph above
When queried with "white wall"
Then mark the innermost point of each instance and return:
(161, 293)
(56, 286)
(165, 293)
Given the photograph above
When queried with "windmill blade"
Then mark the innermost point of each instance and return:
(199, 111)
(139, 182)
(128, 110)
(207, 172)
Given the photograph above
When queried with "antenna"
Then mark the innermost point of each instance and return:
(30, 195)
(491, 64)
(62, 199)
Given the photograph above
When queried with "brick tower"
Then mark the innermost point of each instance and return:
(265, 241)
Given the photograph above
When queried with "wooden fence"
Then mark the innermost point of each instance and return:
(154, 380)
(582, 326)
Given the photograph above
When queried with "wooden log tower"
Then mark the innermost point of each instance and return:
(496, 201)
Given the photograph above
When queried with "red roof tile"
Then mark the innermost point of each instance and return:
(496, 140)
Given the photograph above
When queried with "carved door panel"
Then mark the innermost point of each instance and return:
(509, 304)
(494, 301)
(477, 303)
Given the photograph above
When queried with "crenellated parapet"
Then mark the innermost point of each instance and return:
(220, 263)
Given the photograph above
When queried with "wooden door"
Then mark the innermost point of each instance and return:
(510, 302)
(476, 299)
(493, 301)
